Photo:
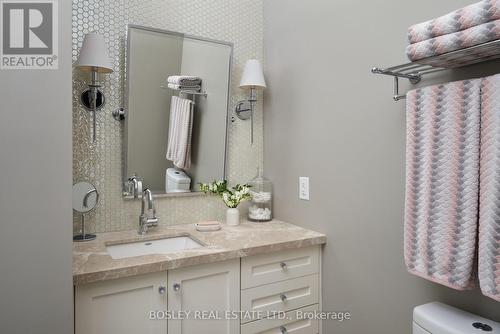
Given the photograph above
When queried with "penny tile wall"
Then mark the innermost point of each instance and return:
(236, 21)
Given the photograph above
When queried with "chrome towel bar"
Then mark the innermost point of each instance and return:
(187, 91)
(414, 71)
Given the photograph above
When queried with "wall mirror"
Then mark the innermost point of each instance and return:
(150, 132)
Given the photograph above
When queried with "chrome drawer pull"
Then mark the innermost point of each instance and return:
(162, 290)
(176, 287)
(283, 297)
(283, 266)
(283, 330)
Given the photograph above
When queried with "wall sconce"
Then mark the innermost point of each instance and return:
(253, 78)
(94, 59)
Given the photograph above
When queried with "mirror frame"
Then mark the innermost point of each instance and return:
(126, 106)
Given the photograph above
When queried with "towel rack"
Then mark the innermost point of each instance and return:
(192, 92)
(414, 71)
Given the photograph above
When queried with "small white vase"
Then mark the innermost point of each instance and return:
(233, 217)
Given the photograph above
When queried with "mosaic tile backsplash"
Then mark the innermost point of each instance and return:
(236, 21)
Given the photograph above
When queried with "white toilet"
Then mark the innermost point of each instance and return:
(437, 318)
(177, 181)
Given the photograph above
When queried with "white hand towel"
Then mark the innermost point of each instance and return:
(180, 132)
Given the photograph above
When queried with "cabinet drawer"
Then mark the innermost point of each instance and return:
(279, 297)
(269, 268)
(292, 323)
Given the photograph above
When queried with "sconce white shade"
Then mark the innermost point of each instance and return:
(253, 75)
(94, 54)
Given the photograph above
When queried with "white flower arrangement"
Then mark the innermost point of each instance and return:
(231, 197)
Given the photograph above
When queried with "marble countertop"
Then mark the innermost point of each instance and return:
(91, 262)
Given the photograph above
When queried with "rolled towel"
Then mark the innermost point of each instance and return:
(458, 20)
(442, 182)
(489, 199)
(184, 80)
(455, 41)
(179, 87)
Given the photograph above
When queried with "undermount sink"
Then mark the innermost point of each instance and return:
(160, 246)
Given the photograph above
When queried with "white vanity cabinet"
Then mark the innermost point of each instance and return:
(200, 296)
(121, 306)
(289, 324)
(285, 282)
(207, 292)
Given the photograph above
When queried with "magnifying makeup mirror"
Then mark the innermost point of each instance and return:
(85, 199)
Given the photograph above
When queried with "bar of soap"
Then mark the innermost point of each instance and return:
(206, 226)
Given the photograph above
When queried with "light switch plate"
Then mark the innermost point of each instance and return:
(304, 188)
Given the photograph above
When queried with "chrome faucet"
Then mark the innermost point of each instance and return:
(134, 186)
(147, 218)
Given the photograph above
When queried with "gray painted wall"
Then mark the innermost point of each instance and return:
(329, 118)
(211, 62)
(36, 294)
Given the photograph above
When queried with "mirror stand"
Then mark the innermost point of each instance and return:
(83, 236)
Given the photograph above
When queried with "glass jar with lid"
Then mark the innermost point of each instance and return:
(260, 209)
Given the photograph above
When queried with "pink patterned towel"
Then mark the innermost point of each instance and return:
(480, 34)
(489, 207)
(479, 54)
(442, 182)
(458, 20)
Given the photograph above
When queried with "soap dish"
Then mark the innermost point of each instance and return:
(208, 226)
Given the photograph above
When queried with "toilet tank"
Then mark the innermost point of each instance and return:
(437, 318)
(177, 181)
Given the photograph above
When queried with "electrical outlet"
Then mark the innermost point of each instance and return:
(304, 188)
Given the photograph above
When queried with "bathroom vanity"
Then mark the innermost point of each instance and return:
(243, 279)
(229, 281)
